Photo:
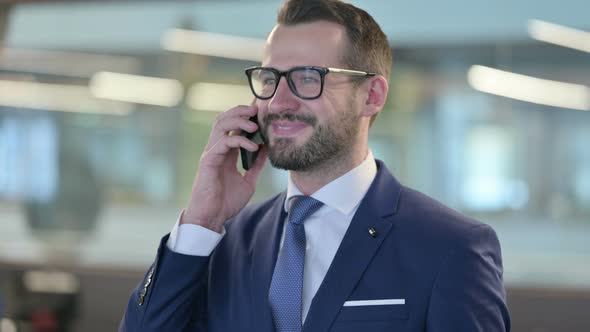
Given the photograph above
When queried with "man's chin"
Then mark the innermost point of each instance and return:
(279, 144)
(284, 153)
(287, 163)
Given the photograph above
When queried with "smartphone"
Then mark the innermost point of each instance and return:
(249, 157)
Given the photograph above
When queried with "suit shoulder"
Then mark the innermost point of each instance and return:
(432, 220)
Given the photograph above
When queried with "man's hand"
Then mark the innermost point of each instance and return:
(220, 191)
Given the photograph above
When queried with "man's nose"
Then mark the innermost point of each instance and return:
(284, 98)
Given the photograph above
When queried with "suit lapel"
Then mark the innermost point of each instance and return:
(356, 251)
(264, 255)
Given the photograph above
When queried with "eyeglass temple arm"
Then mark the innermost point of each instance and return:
(350, 72)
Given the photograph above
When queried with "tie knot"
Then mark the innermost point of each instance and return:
(302, 207)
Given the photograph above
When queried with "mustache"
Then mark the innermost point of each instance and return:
(308, 119)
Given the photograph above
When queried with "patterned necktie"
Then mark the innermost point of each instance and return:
(286, 287)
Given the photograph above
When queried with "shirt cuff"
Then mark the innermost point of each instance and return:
(194, 240)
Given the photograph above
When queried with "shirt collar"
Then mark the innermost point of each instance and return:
(343, 193)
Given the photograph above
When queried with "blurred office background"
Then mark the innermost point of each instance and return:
(105, 107)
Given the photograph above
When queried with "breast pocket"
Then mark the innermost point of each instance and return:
(373, 312)
(374, 318)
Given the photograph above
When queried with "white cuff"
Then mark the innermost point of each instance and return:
(194, 240)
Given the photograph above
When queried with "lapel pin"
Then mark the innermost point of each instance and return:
(373, 232)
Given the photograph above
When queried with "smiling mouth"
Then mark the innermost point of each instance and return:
(287, 125)
(287, 128)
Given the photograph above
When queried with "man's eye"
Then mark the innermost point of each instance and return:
(268, 81)
(308, 80)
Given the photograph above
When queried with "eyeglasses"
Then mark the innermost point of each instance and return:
(305, 82)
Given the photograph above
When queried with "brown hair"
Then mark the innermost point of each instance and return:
(369, 50)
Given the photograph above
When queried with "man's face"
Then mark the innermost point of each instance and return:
(303, 134)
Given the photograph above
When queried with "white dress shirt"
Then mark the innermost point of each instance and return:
(324, 230)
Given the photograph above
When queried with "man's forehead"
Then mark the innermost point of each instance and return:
(319, 43)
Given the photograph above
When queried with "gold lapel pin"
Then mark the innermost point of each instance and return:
(373, 232)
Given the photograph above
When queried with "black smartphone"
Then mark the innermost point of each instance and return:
(249, 157)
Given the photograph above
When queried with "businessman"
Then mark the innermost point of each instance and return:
(346, 247)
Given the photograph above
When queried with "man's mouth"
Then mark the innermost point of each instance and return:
(288, 125)
(284, 128)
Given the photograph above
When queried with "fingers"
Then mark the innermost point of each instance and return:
(241, 110)
(217, 155)
(233, 120)
(226, 143)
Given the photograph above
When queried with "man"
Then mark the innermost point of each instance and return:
(346, 247)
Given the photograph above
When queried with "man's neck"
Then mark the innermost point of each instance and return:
(309, 182)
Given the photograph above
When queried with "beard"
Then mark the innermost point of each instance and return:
(328, 143)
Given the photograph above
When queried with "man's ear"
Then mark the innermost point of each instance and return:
(376, 95)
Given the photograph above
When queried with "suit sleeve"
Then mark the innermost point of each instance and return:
(172, 295)
(468, 294)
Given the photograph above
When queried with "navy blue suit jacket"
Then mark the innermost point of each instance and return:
(447, 267)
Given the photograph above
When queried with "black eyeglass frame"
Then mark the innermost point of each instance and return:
(287, 74)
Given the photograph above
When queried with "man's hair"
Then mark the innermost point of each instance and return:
(368, 51)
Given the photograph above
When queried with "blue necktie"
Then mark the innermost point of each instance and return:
(286, 287)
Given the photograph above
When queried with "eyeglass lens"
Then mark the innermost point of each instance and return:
(306, 82)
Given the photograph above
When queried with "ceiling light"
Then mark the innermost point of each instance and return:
(559, 35)
(213, 44)
(530, 89)
(56, 97)
(218, 97)
(136, 89)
